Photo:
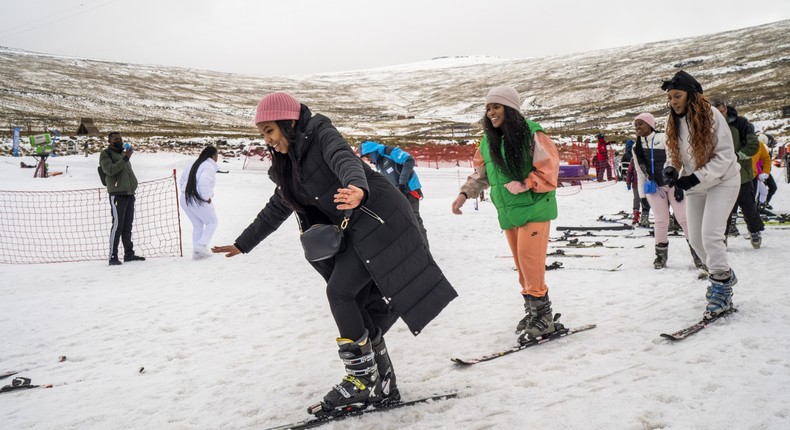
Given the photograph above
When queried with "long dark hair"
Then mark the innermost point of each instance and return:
(285, 170)
(517, 141)
(190, 193)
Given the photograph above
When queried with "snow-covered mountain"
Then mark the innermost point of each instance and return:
(570, 94)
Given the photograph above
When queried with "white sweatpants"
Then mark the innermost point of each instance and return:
(707, 213)
(204, 222)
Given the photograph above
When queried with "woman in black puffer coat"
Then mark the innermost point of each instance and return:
(385, 270)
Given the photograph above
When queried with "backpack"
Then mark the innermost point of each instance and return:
(102, 176)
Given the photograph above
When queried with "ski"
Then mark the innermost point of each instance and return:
(7, 374)
(19, 383)
(695, 328)
(562, 253)
(352, 411)
(541, 340)
(568, 235)
(595, 227)
(558, 265)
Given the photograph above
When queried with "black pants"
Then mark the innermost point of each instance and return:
(122, 210)
(415, 207)
(748, 208)
(349, 289)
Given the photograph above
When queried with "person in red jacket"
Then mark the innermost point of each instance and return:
(602, 159)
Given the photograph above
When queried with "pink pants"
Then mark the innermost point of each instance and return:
(660, 202)
(528, 244)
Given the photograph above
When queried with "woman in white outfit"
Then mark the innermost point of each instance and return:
(197, 190)
(704, 165)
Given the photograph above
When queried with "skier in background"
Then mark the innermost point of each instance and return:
(602, 159)
(397, 166)
(650, 155)
(761, 163)
(745, 146)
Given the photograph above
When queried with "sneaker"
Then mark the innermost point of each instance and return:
(114, 261)
(756, 239)
(132, 257)
(201, 251)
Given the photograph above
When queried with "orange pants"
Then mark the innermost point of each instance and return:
(528, 244)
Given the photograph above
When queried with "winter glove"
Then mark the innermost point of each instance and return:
(670, 175)
(763, 176)
(686, 182)
(628, 186)
(404, 188)
(742, 156)
(678, 194)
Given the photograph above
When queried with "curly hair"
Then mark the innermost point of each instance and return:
(701, 139)
(517, 142)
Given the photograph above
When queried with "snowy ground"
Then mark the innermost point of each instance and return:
(248, 342)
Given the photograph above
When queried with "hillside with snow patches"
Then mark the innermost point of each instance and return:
(570, 94)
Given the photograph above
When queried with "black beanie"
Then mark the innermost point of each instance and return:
(682, 81)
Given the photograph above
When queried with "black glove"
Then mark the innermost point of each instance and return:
(645, 204)
(678, 194)
(670, 175)
(404, 188)
(686, 182)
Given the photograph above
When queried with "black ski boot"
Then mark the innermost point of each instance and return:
(524, 321)
(662, 253)
(360, 387)
(542, 321)
(389, 386)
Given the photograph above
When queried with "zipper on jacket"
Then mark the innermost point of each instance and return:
(371, 214)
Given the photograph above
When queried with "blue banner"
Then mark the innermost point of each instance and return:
(16, 141)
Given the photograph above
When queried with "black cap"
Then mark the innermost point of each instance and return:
(682, 81)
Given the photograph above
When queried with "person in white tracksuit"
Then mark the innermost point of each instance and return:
(197, 192)
(703, 164)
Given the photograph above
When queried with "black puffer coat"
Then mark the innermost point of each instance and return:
(383, 230)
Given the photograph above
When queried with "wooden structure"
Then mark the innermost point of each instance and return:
(87, 127)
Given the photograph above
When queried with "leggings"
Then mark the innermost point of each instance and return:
(348, 291)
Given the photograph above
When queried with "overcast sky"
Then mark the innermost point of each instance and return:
(290, 37)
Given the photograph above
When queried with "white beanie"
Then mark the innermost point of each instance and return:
(506, 96)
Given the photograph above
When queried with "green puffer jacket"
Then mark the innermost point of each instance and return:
(515, 210)
(120, 176)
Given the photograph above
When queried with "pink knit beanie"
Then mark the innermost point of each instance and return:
(505, 96)
(647, 118)
(277, 106)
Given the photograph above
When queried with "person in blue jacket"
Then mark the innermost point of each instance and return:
(397, 166)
